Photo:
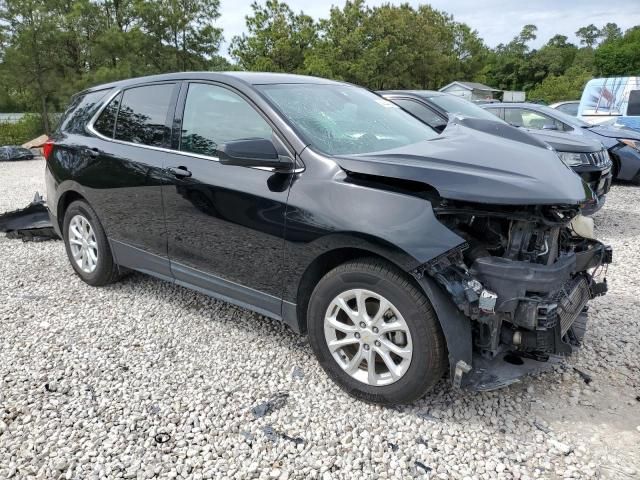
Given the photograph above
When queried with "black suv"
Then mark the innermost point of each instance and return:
(402, 253)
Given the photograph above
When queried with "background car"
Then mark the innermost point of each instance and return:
(570, 107)
(622, 143)
(586, 157)
(611, 100)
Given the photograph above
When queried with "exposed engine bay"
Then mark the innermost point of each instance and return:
(524, 275)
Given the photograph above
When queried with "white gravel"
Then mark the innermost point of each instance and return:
(94, 379)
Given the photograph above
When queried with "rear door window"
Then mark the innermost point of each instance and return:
(569, 108)
(523, 117)
(498, 112)
(422, 113)
(142, 117)
(214, 115)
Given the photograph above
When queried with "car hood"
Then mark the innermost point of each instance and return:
(615, 132)
(565, 142)
(470, 165)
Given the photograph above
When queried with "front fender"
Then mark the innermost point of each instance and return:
(327, 211)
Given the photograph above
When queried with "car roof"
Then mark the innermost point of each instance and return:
(533, 106)
(413, 93)
(247, 78)
(564, 102)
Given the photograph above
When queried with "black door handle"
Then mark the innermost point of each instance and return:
(179, 171)
(92, 152)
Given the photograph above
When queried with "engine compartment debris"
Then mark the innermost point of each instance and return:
(274, 403)
(524, 276)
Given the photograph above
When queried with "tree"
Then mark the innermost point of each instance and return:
(277, 39)
(556, 88)
(33, 40)
(588, 35)
(180, 32)
(527, 34)
(621, 56)
(554, 58)
(508, 66)
(394, 47)
(610, 31)
(341, 49)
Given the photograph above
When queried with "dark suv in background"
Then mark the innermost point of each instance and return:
(402, 253)
(622, 143)
(587, 157)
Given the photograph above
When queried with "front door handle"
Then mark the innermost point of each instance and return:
(180, 172)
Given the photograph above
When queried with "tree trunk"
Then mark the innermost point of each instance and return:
(45, 115)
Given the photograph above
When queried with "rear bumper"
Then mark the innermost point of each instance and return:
(54, 222)
(51, 185)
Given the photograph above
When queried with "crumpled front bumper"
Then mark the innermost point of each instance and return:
(540, 315)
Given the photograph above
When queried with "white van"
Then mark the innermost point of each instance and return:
(612, 100)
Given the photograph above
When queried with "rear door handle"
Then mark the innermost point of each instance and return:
(179, 171)
(92, 152)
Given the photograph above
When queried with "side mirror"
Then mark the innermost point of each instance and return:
(550, 126)
(253, 152)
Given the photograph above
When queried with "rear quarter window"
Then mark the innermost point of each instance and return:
(81, 109)
(106, 122)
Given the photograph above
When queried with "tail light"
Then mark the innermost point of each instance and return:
(47, 149)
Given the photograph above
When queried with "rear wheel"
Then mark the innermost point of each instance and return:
(375, 333)
(87, 246)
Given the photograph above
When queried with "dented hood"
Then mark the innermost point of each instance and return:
(470, 165)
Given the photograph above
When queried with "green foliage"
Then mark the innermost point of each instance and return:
(276, 41)
(50, 49)
(381, 47)
(619, 57)
(555, 88)
(25, 129)
(588, 35)
(610, 31)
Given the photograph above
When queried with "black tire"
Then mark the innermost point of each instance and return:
(106, 270)
(429, 359)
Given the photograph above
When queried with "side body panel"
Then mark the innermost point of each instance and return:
(228, 222)
(328, 211)
(225, 224)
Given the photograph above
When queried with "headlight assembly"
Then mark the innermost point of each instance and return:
(572, 159)
(635, 144)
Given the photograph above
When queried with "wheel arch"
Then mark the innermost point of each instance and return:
(64, 201)
(455, 326)
(327, 261)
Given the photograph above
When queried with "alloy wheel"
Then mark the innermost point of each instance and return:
(368, 337)
(83, 244)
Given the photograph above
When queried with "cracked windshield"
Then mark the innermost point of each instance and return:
(330, 118)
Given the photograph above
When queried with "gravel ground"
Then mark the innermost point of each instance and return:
(144, 379)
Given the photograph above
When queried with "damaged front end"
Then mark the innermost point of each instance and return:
(524, 277)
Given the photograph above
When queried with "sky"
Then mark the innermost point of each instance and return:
(497, 21)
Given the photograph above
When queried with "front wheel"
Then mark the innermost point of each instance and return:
(375, 333)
